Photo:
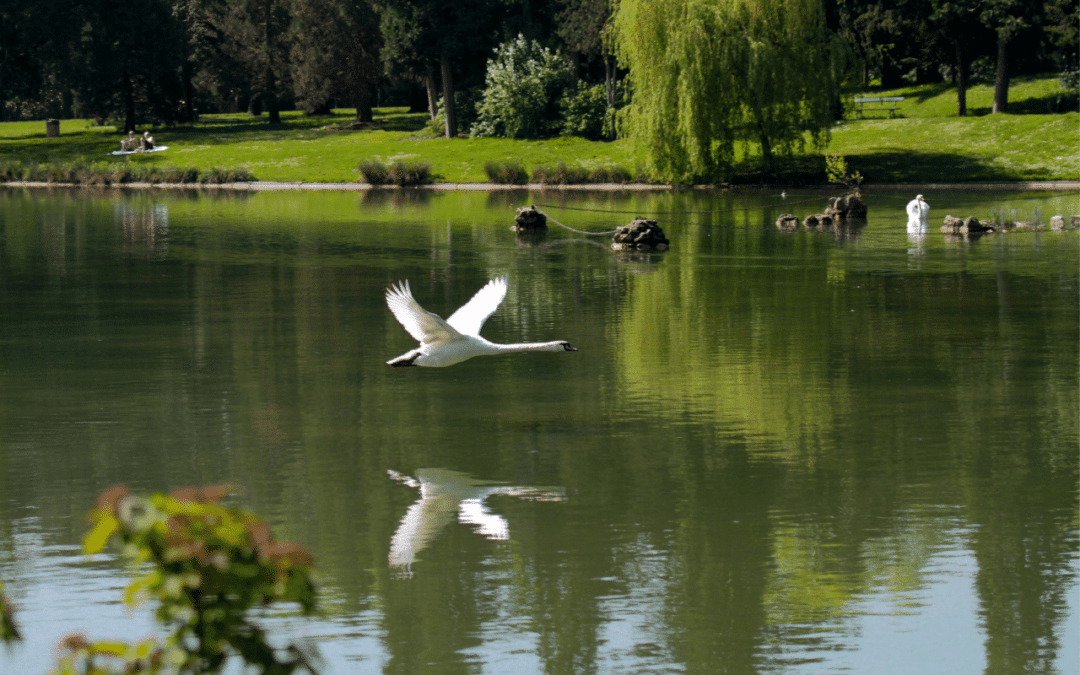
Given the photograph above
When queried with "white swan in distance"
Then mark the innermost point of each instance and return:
(918, 214)
(444, 343)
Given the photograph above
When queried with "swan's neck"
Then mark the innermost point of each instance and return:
(556, 346)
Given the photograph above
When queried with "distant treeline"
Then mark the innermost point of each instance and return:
(561, 66)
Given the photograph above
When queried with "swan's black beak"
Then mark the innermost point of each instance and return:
(569, 347)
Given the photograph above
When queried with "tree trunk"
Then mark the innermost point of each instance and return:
(129, 105)
(1001, 78)
(187, 111)
(961, 81)
(362, 100)
(432, 92)
(575, 65)
(448, 97)
(767, 159)
(610, 90)
(271, 99)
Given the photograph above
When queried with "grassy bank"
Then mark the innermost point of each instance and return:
(925, 142)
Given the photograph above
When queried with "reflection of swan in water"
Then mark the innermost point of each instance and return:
(918, 215)
(446, 494)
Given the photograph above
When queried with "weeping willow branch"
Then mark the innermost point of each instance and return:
(707, 74)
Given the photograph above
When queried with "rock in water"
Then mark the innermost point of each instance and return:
(969, 225)
(818, 220)
(787, 222)
(848, 206)
(529, 219)
(641, 234)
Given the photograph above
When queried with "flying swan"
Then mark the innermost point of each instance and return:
(444, 343)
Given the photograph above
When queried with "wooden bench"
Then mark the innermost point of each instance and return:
(862, 101)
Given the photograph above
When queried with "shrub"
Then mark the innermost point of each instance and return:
(507, 172)
(1070, 79)
(522, 88)
(836, 171)
(218, 176)
(174, 174)
(465, 103)
(584, 110)
(206, 566)
(410, 173)
(560, 174)
(374, 172)
(121, 174)
(9, 632)
(610, 174)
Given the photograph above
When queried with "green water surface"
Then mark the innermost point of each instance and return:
(805, 452)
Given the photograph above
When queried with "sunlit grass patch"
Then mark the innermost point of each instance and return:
(927, 143)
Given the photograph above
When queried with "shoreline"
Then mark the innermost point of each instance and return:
(272, 186)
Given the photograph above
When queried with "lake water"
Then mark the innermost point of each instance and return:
(806, 452)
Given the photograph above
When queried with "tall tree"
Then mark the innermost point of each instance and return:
(957, 21)
(888, 35)
(1009, 19)
(705, 75)
(449, 35)
(255, 36)
(126, 62)
(336, 53)
(583, 25)
(404, 53)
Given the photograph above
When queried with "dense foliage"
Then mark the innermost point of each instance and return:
(9, 631)
(206, 566)
(705, 76)
(521, 99)
(766, 71)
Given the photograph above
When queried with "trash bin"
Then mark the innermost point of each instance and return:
(52, 128)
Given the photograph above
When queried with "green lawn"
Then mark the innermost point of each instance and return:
(926, 142)
(300, 149)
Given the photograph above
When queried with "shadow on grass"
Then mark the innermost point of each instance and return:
(890, 166)
(926, 92)
(95, 144)
(894, 166)
(401, 121)
(1050, 104)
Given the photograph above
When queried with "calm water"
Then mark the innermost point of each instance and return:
(773, 453)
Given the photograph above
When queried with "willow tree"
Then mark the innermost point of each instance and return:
(707, 74)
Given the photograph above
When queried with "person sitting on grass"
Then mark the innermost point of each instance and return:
(130, 143)
(147, 141)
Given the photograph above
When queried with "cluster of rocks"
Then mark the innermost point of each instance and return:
(846, 207)
(1058, 224)
(641, 234)
(971, 225)
(841, 210)
(529, 219)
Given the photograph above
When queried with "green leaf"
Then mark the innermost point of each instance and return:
(105, 528)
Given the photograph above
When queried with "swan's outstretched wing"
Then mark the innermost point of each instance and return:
(426, 327)
(471, 316)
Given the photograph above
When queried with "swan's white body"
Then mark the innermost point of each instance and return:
(444, 343)
(918, 212)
